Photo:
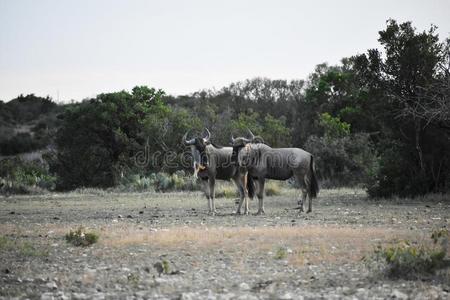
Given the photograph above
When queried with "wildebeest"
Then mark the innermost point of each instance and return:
(264, 162)
(213, 162)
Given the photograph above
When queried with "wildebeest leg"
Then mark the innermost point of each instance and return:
(260, 194)
(206, 191)
(256, 188)
(302, 198)
(244, 183)
(307, 186)
(212, 182)
(238, 181)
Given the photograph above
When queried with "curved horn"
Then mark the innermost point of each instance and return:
(252, 136)
(184, 139)
(208, 135)
(258, 139)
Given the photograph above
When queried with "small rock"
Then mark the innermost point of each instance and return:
(98, 296)
(52, 285)
(119, 217)
(6, 271)
(47, 296)
(286, 296)
(247, 297)
(141, 212)
(141, 294)
(361, 293)
(244, 286)
(12, 212)
(62, 296)
(56, 218)
(189, 296)
(130, 217)
(431, 294)
(79, 296)
(396, 294)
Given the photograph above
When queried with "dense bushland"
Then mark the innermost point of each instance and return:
(379, 119)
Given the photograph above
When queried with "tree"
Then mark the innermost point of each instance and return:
(275, 132)
(100, 137)
(396, 83)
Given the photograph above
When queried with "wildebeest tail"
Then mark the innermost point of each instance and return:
(250, 186)
(314, 185)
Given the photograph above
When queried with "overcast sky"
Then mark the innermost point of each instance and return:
(77, 49)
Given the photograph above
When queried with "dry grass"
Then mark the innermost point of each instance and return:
(309, 244)
(313, 243)
(226, 190)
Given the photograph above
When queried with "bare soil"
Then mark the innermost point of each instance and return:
(281, 255)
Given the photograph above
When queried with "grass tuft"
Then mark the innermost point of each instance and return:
(80, 237)
(166, 266)
(406, 259)
(23, 248)
(273, 188)
(133, 279)
(281, 253)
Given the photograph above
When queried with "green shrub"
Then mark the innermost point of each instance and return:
(160, 182)
(396, 175)
(406, 259)
(133, 279)
(226, 191)
(342, 160)
(80, 237)
(19, 176)
(137, 183)
(166, 266)
(281, 253)
(272, 188)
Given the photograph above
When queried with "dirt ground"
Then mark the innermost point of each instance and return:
(281, 255)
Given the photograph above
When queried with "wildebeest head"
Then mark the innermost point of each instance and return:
(241, 150)
(198, 147)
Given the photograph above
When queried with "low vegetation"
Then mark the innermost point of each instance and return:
(273, 188)
(228, 191)
(159, 182)
(19, 176)
(80, 237)
(379, 119)
(281, 253)
(23, 248)
(408, 259)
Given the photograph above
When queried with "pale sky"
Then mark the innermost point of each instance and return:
(77, 49)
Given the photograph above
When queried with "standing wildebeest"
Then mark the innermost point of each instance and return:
(263, 162)
(212, 162)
